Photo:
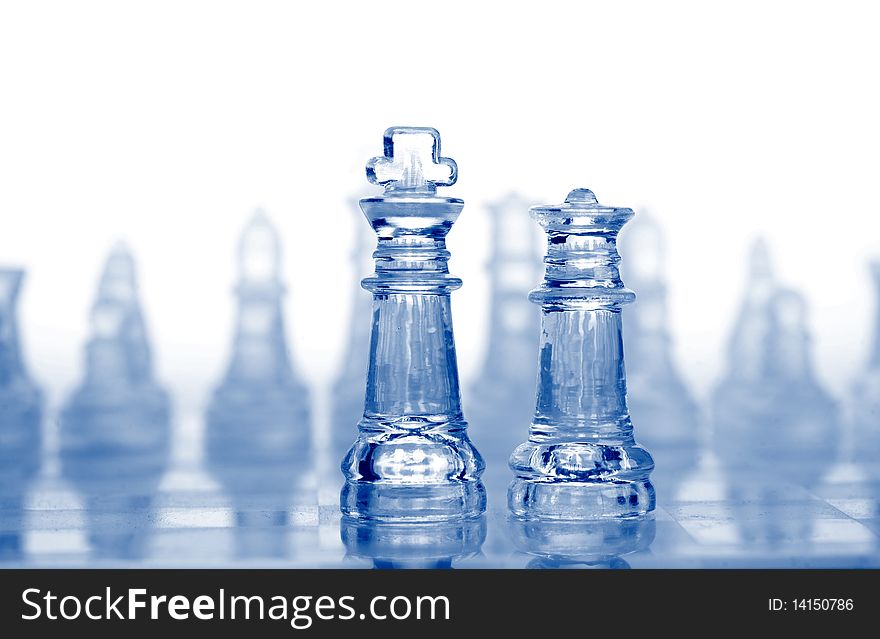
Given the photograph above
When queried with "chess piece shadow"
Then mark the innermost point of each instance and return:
(404, 542)
(557, 543)
(21, 412)
(775, 426)
(502, 397)
(659, 402)
(412, 441)
(348, 389)
(115, 428)
(258, 420)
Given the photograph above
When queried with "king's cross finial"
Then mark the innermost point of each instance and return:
(412, 162)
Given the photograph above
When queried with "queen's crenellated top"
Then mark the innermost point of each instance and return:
(582, 260)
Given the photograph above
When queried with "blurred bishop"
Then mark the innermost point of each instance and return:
(115, 428)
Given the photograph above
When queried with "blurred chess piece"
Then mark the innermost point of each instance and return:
(854, 476)
(115, 428)
(775, 426)
(502, 397)
(258, 421)
(348, 389)
(659, 402)
(404, 542)
(864, 435)
(581, 544)
(21, 411)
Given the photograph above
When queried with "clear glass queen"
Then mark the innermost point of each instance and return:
(412, 458)
(581, 460)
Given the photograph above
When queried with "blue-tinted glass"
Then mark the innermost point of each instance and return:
(581, 460)
(412, 436)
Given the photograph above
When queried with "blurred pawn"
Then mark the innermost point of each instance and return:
(115, 428)
(502, 399)
(581, 544)
(21, 411)
(348, 390)
(864, 435)
(776, 427)
(258, 421)
(407, 541)
(660, 405)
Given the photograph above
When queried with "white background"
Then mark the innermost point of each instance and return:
(166, 123)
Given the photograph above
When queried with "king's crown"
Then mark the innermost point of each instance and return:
(412, 162)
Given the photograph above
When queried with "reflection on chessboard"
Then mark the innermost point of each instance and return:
(404, 542)
(783, 481)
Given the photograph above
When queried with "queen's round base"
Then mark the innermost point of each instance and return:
(580, 499)
(413, 502)
(580, 480)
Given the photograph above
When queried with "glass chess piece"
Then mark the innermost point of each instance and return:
(412, 459)
(581, 461)
(258, 421)
(775, 426)
(115, 428)
(502, 397)
(864, 434)
(21, 413)
(348, 388)
(659, 401)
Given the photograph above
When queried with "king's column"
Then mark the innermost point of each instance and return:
(581, 461)
(412, 459)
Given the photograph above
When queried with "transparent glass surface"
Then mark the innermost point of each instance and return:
(581, 460)
(413, 435)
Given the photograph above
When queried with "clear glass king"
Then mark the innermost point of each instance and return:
(581, 460)
(412, 459)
